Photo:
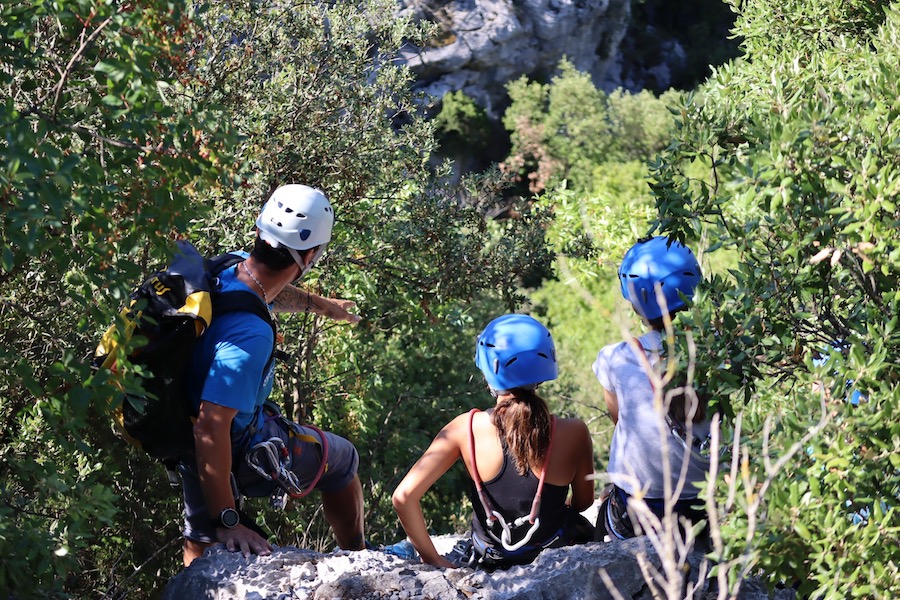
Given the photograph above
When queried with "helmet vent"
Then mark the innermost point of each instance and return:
(496, 366)
(644, 295)
(289, 210)
(511, 361)
(304, 234)
(541, 354)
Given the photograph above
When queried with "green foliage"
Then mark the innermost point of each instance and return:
(297, 80)
(583, 306)
(804, 28)
(462, 126)
(126, 125)
(564, 129)
(640, 124)
(575, 125)
(799, 146)
(99, 162)
(835, 519)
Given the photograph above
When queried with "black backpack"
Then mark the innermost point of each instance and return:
(171, 309)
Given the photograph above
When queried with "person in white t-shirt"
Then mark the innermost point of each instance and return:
(657, 276)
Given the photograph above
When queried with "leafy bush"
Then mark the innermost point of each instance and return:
(802, 184)
(564, 129)
(98, 167)
(126, 126)
(463, 128)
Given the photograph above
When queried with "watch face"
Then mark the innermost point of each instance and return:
(229, 518)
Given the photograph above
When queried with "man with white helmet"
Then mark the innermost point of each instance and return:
(230, 378)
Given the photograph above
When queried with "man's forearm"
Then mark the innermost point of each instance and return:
(292, 300)
(214, 470)
(212, 443)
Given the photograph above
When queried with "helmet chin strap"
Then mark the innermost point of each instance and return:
(304, 268)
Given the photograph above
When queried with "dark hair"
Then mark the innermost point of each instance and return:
(686, 402)
(524, 425)
(659, 323)
(276, 259)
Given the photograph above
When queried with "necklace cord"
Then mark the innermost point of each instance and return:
(253, 277)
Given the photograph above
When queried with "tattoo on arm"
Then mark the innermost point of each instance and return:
(293, 300)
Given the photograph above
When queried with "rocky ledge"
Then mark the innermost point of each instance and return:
(572, 573)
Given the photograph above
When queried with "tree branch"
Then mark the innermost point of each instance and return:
(57, 90)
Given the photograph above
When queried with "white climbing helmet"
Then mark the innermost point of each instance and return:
(297, 217)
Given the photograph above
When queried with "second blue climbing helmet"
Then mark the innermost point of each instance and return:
(515, 351)
(656, 262)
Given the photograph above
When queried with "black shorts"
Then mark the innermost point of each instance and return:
(613, 518)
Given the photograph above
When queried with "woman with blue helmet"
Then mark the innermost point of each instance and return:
(522, 460)
(657, 276)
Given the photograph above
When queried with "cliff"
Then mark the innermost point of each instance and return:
(484, 44)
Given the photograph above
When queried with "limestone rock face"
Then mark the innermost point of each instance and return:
(561, 574)
(487, 43)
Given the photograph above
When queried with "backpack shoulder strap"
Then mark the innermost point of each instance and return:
(217, 264)
(536, 504)
(237, 301)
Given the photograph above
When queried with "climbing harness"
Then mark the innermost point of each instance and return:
(493, 516)
(699, 448)
(272, 461)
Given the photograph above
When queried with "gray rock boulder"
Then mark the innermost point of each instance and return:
(562, 574)
(487, 43)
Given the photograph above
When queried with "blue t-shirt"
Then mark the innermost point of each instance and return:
(229, 363)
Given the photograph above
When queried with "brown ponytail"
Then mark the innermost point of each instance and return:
(524, 425)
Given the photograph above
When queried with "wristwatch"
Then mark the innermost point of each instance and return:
(228, 518)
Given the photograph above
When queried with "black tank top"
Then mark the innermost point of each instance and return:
(511, 495)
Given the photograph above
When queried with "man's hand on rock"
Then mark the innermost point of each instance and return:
(243, 539)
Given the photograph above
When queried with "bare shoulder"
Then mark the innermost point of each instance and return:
(458, 426)
(575, 431)
(457, 421)
(573, 426)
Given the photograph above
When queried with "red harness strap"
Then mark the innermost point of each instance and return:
(479, 487)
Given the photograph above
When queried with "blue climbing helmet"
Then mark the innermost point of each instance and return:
(658, 261)
(515, 351)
